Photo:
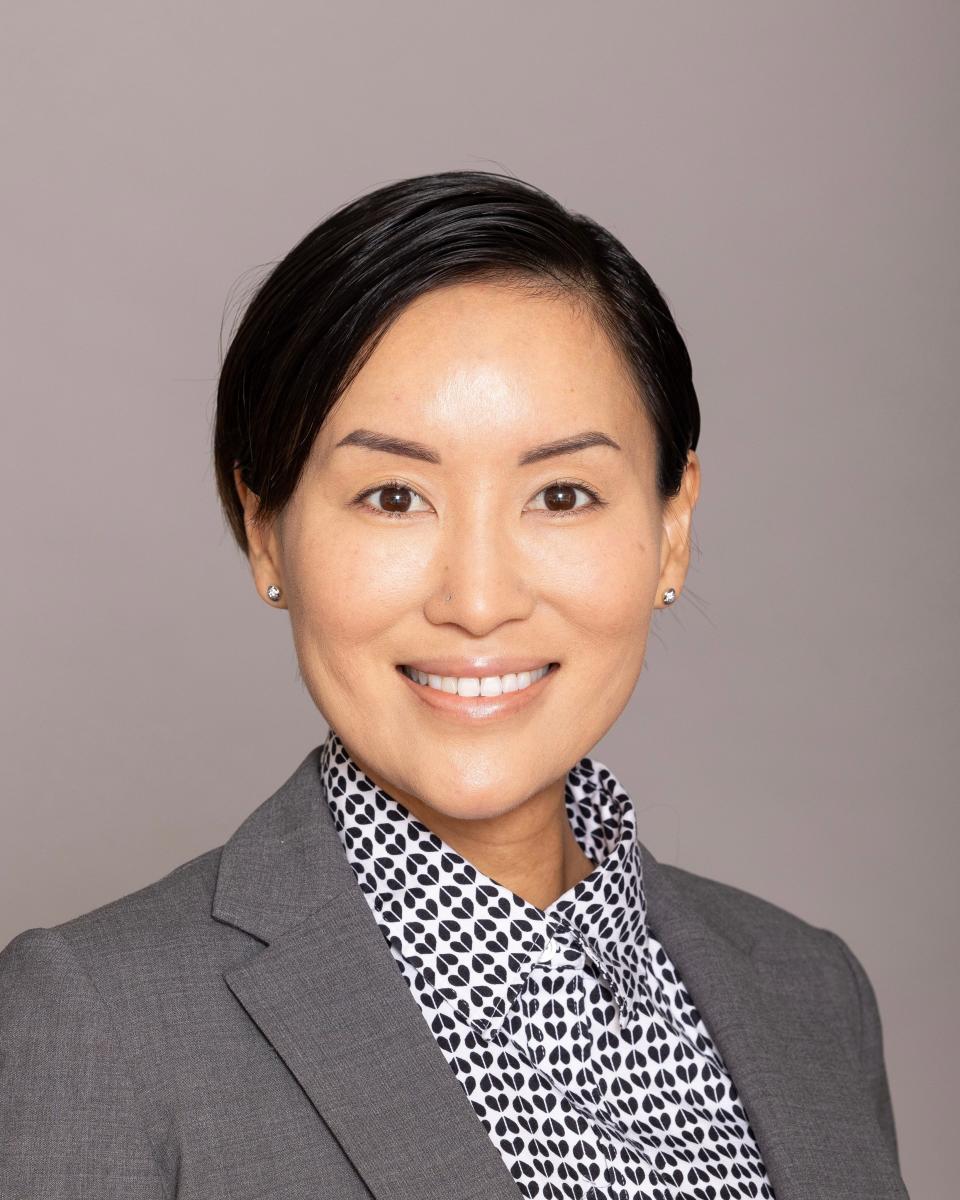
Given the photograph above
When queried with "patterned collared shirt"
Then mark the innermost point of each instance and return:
(568, 1027)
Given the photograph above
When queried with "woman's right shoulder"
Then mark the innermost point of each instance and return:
(86, 1009)
(152, 922)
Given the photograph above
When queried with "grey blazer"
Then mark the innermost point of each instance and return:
(238, 1030)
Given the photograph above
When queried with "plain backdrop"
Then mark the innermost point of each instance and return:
(787, 172)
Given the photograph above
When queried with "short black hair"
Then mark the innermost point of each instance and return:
(317, 316)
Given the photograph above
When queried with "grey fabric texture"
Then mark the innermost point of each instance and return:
(238, 1030)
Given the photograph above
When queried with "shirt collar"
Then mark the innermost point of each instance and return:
(470, 941)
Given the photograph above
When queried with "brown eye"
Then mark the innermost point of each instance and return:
(560, 497)
(395, 499)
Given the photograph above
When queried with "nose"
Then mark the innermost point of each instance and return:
(479, 576)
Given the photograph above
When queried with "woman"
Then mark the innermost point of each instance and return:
(455, 438)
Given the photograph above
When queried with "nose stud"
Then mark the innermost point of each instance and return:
(273, 592)
(669, 595)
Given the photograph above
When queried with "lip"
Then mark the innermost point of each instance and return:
(477, 708)
(476, 668)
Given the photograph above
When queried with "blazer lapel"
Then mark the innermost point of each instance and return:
(326, 992)
(812, 1119)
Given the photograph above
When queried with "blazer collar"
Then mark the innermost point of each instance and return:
(324, 989)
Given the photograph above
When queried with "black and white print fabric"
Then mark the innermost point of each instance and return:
(568, 1027)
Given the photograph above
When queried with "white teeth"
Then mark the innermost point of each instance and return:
(470, 685)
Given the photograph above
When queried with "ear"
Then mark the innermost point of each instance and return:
(675, 543)
(263, 545)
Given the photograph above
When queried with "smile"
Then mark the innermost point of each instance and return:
(474, 698)
(472, 685)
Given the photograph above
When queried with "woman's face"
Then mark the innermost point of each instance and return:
(500, 559)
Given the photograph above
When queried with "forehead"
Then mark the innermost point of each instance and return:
(482, 360)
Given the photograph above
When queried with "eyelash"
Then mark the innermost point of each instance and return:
(360, 500)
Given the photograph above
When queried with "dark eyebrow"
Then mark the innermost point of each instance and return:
(408, 449)
(567, 445)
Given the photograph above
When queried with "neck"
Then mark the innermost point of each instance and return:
(531, 850)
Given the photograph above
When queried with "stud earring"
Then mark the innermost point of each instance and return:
(273, 592)
(669, 595)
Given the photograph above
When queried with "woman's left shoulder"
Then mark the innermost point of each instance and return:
(756, 923)
(804, 970)
(787, 951)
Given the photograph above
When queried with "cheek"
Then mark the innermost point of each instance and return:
(345, 590)
(607, 586)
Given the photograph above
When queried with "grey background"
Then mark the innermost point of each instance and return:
(788, 174)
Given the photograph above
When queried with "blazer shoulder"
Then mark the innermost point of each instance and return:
(79, 1004)
(785, 946)
(164, 907)
(801, 959)
(159, 920)
(756, 923)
